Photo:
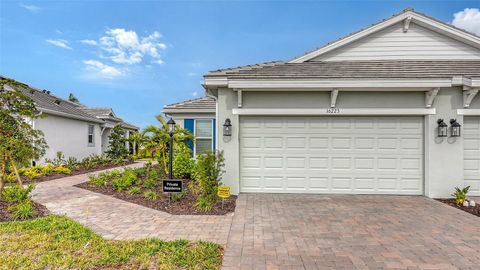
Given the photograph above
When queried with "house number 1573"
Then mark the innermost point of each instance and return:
(333, 110)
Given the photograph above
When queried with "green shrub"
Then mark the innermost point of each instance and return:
(16, 194)
(72, 163)
(151, 195)
(102, 179)
(134, 191)
(48, 169)
(58, 160)
(22, 211)
(461, 194)
(182, 161)
(207, 173)
(128, 179)
(116, 140)
(176, 196)
(61, 169)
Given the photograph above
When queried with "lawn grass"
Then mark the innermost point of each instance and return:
(57, 242)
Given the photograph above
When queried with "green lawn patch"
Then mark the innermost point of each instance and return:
(57, 242)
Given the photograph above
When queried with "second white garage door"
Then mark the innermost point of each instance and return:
(359, 155)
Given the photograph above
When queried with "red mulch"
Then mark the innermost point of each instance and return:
(40, 210)
(74, 172)
(184, 206)
(475, 210)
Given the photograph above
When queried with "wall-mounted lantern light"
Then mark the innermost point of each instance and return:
(455, 128)
(227, 128)
(442, 128)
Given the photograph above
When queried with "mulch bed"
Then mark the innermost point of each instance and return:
(40, 210)
(475, 210)
(184, 206)
(75, 172)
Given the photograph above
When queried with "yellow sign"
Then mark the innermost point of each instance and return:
(223, 192)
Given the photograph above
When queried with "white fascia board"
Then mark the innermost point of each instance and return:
(342, 84)
(170, 111)
(468, 111)
(215, 81)
(473, 83)
(334, 111)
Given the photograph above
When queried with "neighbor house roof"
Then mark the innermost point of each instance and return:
(48, 103)
(199, 105)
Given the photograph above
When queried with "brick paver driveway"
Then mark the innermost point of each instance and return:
(350, 232)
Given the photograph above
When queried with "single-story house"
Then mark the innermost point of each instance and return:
(390, 109)
(73, 128)
(198, 117)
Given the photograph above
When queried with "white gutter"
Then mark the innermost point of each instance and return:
(67, 115)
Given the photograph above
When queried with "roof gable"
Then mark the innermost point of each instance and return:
(408, 21)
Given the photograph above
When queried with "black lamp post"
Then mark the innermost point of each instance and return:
(171, 131)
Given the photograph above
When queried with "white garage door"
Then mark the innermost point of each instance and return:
(360, 155)
(471, 154)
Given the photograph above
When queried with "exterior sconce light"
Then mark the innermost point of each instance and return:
(442, 128)
(455, 126)
(227, 128)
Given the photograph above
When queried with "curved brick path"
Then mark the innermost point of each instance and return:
(116, 219)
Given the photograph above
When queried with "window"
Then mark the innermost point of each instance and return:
(91, 135)
(203, 136)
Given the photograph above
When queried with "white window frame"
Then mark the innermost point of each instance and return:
(91, 144)
(195, 133)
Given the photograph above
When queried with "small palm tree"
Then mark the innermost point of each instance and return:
(157, 138)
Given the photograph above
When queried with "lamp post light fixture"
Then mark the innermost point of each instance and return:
(227, 128)
(442, 128)
(455, 128)
(171, 131)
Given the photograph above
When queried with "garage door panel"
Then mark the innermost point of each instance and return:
(471, 154)
(364, 155)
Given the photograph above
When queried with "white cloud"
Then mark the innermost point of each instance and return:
(127, 47)
(62, 43)
(195, 94)
(31, 8)
(88, 42)
(101, 70)
(468, 19)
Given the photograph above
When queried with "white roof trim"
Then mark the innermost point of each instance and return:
(335, 111)
(67, 115)
(188, 110)
(327, 85)
(415, 18)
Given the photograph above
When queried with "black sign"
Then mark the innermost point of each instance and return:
(172, 185)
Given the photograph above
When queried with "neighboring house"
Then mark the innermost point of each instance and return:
(198, 117)
(358, 115)
(72, 128)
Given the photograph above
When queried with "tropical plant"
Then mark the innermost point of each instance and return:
(157, 141)
(22, 211)
(19, 141)
(134, 191)
(58, 160)
(17, 194)
(137, 139)
(151, 195)
(461, 195)
(117, 148)
(182, 161)
(208, 172)
(128, 179)
(176, 196)
(73, 98)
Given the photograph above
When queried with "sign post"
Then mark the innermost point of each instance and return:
(224, 193)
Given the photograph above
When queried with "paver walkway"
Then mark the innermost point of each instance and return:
(116, 219)
(350, 232)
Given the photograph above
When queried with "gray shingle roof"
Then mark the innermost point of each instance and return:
(48, 103)
(202, 104)
(360, 69)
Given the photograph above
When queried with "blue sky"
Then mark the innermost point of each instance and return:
(137, 56)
